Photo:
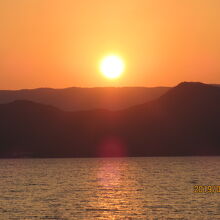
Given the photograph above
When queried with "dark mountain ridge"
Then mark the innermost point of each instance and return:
(184, 121)
(77, 99)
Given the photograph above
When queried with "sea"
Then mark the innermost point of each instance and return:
(110, 188)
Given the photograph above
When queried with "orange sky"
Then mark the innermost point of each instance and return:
(59, 43)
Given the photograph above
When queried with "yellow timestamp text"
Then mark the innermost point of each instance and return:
(207, 189)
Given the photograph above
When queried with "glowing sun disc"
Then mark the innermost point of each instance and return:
(112, 66)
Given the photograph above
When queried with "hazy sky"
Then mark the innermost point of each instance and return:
(59, 43)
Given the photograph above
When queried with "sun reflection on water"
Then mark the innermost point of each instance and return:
(107, 188)
(116, 193)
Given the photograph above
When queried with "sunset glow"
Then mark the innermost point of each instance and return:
(109, 109)
(54, 44)
(112, 66)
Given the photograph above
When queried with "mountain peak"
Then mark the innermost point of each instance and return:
(191, 87)
(191, 84)
(192, 92)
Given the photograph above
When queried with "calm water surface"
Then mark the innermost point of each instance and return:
(128, 188)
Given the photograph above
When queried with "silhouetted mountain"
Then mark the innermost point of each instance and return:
(184, 121)
(77, 99)
(216, 85)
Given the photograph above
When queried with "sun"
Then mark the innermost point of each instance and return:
(112, 66)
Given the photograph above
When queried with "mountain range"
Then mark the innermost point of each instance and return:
(77, 99)
(184, 121)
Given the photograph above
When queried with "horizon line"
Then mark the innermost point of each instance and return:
(102, 87)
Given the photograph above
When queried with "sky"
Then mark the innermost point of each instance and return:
(59, 43)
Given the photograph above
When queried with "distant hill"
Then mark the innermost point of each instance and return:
(184, 121)
(76, 99)
(216, 85)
